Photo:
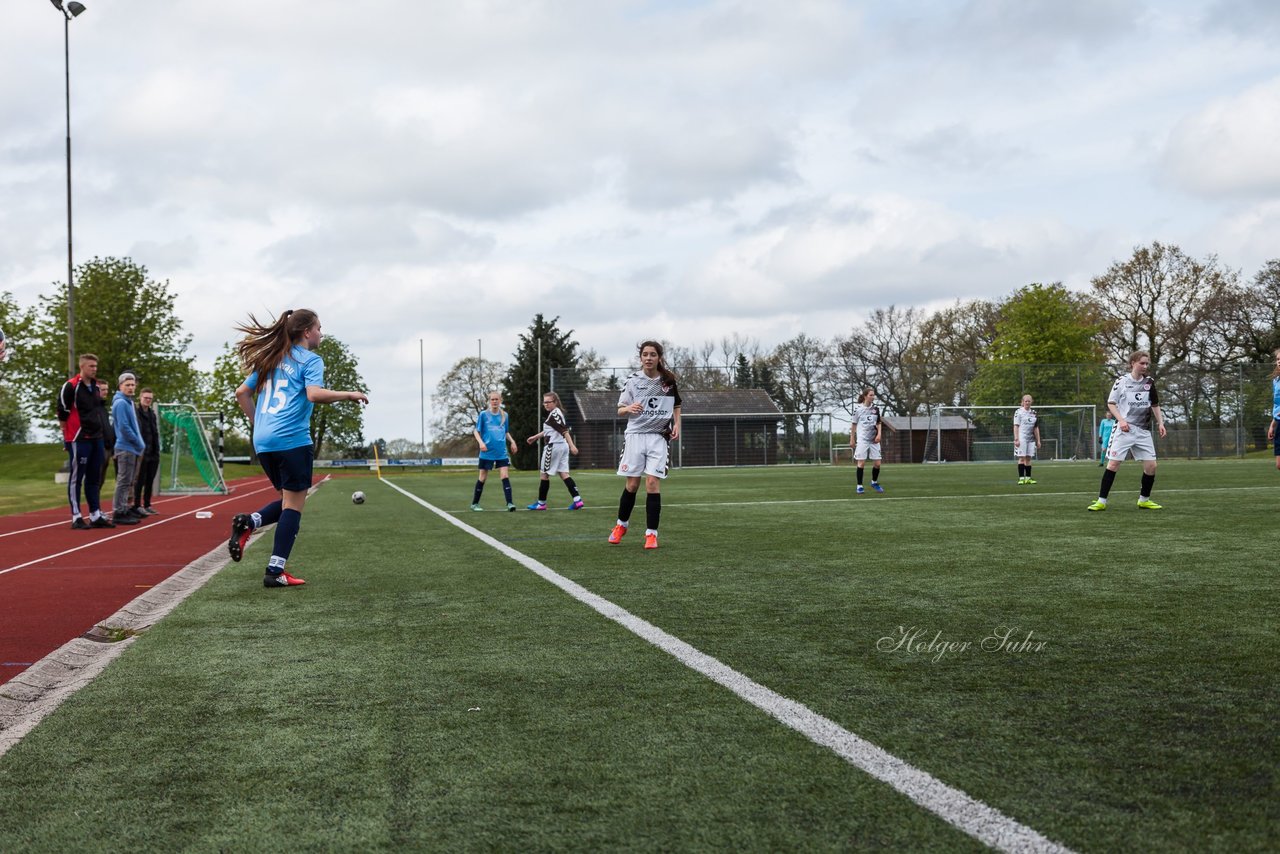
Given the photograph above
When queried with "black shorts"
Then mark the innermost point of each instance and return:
(289, 469)
(488, 465)
(1276, 424)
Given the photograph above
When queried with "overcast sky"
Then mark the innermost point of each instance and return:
(681, 170)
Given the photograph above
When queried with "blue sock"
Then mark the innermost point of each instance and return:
(506, 489)
(286, 533)
(268, 515)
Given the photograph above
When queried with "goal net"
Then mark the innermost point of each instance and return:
(985, 433)
(187, 461)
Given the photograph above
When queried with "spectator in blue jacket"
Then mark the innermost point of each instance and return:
(128, 450)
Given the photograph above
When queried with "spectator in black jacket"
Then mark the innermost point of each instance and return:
(108, 432)
(150, 428)
(82, 413)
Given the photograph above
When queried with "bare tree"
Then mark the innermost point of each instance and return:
(461, 394)
(877, 355)
(949, 346)
(799, 369)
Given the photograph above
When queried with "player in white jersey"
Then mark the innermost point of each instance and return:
(866, 437)
(1135, 404)
(555, 456)
(650, 402)
(1026, 438)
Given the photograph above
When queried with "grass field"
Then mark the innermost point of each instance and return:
(426, 691)
(27, 472)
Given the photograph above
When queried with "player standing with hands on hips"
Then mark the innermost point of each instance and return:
(650, 402)
(1026, 438)
(867, 428)
(1134, 402)
(287, 378)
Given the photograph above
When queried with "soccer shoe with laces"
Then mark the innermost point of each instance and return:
(79, 524)
(861, 489)
(477, 508)
(577, 504)
(283, 579)
(1148, 504)
(241, 530)
(1097, 505)
(650, 541)
(619, 531)
(877, 487)
(1030, 480)
(536, 506)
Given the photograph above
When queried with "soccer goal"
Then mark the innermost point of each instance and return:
(188, 464)
(985, 433)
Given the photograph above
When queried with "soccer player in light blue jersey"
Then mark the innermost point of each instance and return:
(286, 380)
(1275, 409)
(493, 435)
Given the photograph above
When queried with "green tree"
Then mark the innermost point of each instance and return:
(125, 318)
(14, 423)
(338, 425)
(1043, 334)
(218, 391)
(522, 381)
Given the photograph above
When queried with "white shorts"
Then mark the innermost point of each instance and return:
(644, 453)
(1026, 449)
(555, 458)
(1137, 442)
(866, 450)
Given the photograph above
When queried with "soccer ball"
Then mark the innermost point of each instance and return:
(357, 498)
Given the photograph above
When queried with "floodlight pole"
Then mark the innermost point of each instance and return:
(69, 11)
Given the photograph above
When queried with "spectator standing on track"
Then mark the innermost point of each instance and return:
(128, 450)
(150, 464)
(287, 378)
(78, 408)
(108, 431)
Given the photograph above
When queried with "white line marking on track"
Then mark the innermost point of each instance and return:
(129, 531)
(975, 818)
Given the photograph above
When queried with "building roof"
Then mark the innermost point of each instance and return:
(603, 405)
(927, 422)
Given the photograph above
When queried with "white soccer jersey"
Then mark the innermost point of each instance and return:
(868, 419)
(1024, 425)
(1134, 399)
(555, 428)
(660, 400)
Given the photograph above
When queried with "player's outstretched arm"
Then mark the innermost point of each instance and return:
(320, 394)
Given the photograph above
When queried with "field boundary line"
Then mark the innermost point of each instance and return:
(128, 531)
(982, 822)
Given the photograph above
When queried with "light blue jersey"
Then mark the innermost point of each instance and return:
(493, 430)
(1275, 397)
(282, 419)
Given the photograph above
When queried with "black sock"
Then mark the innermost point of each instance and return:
(625, 505)
(652, 510)
(1021, 470)
(543, 487)
(506, 489)
(475, 495)
(1148, 481)
(859, 475)
(1108, 478)
(572, 487)
(1028, 468)
(875, 474)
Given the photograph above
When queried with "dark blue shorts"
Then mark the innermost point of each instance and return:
(289, 469)
(488, 465)
(1277, 437)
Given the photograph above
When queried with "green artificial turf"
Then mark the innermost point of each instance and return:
(425, 691)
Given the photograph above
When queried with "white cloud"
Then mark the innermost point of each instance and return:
(1228, 146)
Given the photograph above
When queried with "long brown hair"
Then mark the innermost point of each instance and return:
(862, 398)
(1276, 372)
(264, 347)
(663, 371)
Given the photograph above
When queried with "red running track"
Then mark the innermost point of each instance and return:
(57, 583)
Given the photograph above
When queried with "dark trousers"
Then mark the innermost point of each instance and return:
(146, 476)
(87, 467)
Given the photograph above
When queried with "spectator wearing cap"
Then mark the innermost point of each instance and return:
(128, 452)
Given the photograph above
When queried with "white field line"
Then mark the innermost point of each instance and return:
(133, 530)
(975, 818)
(60, 524)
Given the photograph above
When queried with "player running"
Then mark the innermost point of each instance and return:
(1026, 438)
(650, 402)
(1134, 402)
(555, 456)
(867, 427)
(288, 380)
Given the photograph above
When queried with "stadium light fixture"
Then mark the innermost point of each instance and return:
(69, 11)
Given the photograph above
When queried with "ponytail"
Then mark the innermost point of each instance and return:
(264, 347)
